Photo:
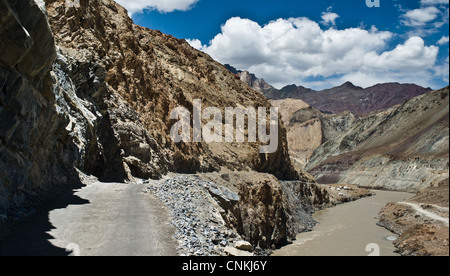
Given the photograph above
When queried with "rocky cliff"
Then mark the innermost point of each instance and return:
(309, 128)
(102, 87)
(154, 73)
(250, 79)
(35, 147)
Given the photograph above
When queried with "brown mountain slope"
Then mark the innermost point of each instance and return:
(154, 73)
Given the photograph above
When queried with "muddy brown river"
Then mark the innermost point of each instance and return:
(348, 230)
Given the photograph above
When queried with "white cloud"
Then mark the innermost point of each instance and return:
(134, 6)
(329, 18)
(196, 43)
(442, 70)
(420, 17)
(298, 50)
(426, 20)
(411, 56)
(444, 40)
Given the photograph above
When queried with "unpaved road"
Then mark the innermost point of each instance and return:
(426, 213)
(101, 219)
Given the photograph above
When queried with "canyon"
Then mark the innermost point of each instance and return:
(85, 128)
(86, 97)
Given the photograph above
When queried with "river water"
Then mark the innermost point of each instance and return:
(348, 230)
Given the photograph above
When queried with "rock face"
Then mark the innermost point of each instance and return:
(259, 85)
(226, 212)
(100, 100)
(308, 128)
(153, 73)
(389, 149)
(34, 145)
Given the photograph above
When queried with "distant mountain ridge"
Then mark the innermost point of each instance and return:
(355, 99)
(347, 97)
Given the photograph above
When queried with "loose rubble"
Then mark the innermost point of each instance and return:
(196, 215)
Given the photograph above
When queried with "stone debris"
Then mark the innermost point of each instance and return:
(196, 214)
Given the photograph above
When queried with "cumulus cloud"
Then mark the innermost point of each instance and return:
(134, 6)
(329, 17)
(426, 20)
(413, 55)
(420, 17)
(298, 50)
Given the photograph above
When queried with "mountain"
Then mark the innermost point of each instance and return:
(359, 101)
(405, 147)
(402, 148)
(349, 97)
(346, 97)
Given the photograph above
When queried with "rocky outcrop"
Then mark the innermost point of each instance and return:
(215, 212)
(263, 214)
(154, 73)
(259, 85)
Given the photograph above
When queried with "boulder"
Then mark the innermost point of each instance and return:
(244, 245)
(231, 251)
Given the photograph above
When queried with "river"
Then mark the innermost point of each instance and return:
(348, 230)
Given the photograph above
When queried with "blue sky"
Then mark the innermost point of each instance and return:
(316, 44)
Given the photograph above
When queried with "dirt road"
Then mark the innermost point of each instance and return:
(101, 219)
(426, 213)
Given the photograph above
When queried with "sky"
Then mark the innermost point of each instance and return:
(317, 44)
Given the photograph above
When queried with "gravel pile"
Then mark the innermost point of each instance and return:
(201, 230)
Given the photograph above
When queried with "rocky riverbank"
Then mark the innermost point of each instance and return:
(422, 223)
